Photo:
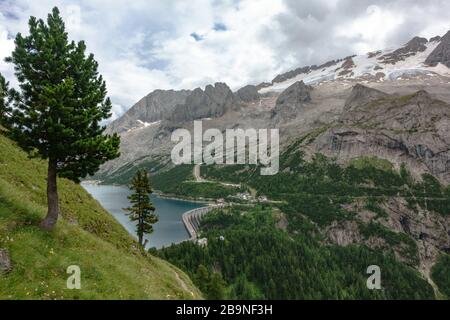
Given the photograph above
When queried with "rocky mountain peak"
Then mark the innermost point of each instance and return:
(220, 93)
(436, 39)
(154, 107)
(415, 45)
(305, 70)
(296, 94)
(446, 37)
(421, 97)
(346, 67)
(441, 54)
(248, 94)
(362, 95)
(213, 102)
(292, 100)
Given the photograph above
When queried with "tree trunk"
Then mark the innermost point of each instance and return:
(141, 239)
(140, 222)
(140, 232)
(52, 198)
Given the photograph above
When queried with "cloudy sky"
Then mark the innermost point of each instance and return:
(143, 45)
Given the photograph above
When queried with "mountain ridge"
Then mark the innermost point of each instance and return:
(387, 109)
(405, 73)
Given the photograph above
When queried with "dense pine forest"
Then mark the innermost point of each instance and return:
(279, 251)
(259, 261)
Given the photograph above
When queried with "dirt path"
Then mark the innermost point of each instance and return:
(183, 284)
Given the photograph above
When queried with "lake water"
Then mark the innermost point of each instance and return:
(170, 228)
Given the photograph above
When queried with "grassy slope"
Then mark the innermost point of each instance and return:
(111, 265)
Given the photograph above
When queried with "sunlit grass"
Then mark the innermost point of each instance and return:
(112, 266)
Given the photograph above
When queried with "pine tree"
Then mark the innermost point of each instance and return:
(142, 209)
(56, 115)
(216, 287)
(3, 98)
(202, 278)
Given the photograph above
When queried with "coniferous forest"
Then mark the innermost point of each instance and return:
(255, 260)
(280, 250)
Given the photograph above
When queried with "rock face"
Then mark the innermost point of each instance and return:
(248, 94)
(291, 74)
(361, 95)
(417, 44)
(430, 231)
(346, 67)
(214, 102)
(344, 233)
(181, 106)
(411, 129)
(154, 107)
(263, 85)
(296, 95)
(304, 70)
(441, 54)
(414, 46)
(291, 101)
(5, 262)
(436, 39)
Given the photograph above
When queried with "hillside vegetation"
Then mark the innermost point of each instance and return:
(258, 260)
(112, 266)
(365, 212)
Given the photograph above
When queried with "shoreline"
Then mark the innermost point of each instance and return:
(187, 199)
(157, 193)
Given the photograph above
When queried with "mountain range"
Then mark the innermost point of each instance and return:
(387, 111)
(315, 97)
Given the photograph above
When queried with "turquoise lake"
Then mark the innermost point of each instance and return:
(168, 230)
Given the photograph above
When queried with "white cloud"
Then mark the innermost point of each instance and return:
(6, 47)
(236, 56)
(372, 29)
(146, 45)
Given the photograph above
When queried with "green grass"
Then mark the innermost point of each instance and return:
(364, 162)
(112, 266)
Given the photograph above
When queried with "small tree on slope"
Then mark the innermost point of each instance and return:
(56, 115)
(142, 209)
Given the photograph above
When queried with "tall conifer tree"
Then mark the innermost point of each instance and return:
(57, 113)
(142, 209)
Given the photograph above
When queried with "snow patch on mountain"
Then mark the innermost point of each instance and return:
(142, 125)
(368, 65)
